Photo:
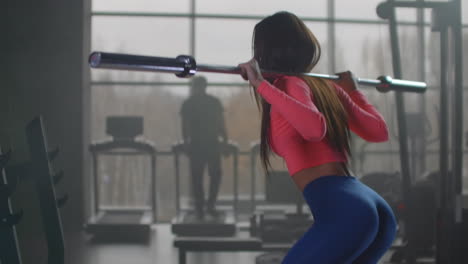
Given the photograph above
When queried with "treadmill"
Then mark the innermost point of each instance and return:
(122, 223)
(274, 221)
(185, 223)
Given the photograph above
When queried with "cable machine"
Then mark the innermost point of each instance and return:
(446, 19)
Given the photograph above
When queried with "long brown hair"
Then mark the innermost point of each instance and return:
(282, 42)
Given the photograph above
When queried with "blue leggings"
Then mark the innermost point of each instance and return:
(352, 224)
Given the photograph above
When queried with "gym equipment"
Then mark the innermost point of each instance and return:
(185, 223)
(9, 249)
(447, 21)
(123, 223)
(186, 66)
(463, 241)
(44, 179)
(270, 258)
(389, 184)
(276, 225)
(225, 244)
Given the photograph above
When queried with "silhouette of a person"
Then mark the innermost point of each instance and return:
(202, 127)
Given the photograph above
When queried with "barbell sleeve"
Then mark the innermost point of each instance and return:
(186, 66)
(182, 66)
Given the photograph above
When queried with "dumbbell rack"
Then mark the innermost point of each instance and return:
(45, 179)
(9, 250)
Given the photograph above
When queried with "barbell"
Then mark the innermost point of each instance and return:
(186, 66)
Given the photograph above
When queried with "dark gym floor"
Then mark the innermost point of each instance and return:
(159, 250)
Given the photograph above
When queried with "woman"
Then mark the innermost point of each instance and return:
(307, 121)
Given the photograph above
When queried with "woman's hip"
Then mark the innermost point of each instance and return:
(333, 196)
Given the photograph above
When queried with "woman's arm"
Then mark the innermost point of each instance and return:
(363, 117)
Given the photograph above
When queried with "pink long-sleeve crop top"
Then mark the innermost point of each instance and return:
(298, 129)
